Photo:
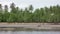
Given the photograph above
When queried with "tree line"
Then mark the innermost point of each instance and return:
(42, 15)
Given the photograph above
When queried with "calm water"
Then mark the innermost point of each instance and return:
(29, 32)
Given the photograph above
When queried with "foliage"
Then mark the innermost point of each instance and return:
(43, 15)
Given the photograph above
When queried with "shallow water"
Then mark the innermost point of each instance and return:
(29, 32)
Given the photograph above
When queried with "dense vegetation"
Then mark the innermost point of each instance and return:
(51, 14)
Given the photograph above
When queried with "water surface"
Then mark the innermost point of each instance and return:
(29, 32)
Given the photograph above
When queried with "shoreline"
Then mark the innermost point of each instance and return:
(26, 29)
(29, 27)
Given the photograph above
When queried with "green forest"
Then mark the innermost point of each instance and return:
(39, 15)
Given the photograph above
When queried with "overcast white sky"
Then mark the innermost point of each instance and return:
(35, 3)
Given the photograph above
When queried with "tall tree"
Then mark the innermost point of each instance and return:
(6, 14)
(1, 13)
(31, 8)
(36, 15)
(6, 8)
(1, 10)
(13, 9)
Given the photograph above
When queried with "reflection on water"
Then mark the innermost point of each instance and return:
(29, 32)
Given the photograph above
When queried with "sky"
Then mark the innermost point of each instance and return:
(35, 3)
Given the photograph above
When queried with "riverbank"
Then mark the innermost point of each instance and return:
(27, 29)
(29, 26)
